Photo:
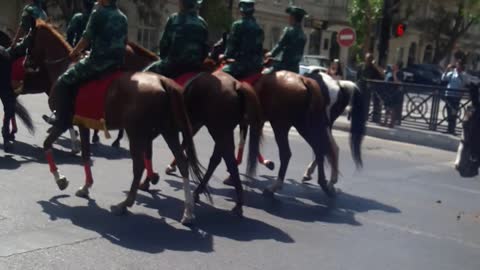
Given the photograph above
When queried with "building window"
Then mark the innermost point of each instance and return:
(148, 34)
(428, 56)
(326, 43)
(315, 41)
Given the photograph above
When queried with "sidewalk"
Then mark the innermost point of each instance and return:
(405, 135)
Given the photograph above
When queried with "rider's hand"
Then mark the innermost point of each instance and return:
(268, 55)
(230, 60)
(221, 57)
(74, 55)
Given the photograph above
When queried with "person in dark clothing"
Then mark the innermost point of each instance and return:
(392, 99)
(370, 71)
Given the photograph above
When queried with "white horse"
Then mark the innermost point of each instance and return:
(341, 93)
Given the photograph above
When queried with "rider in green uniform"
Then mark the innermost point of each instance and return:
(77, 24)
(183, 46)
(292, 42)
(244, 52)
(106, 34)
(31, 12)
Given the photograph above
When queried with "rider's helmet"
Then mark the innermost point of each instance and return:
(247, 6)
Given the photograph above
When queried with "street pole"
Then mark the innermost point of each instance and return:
(385, 31)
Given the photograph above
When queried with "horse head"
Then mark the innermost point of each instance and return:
(45, 47)
(468, 154)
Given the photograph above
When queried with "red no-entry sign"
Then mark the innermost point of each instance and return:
(346, 37)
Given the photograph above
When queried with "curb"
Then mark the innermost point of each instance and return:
(405, 135)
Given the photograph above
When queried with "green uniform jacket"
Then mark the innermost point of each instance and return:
(291, 46)
(106, 31)
(76, 27)
(245, 45)
(183, 46)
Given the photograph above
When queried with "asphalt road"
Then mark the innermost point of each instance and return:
(407, 209)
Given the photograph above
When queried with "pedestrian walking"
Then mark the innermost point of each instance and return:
(370, 71)
(457, 79)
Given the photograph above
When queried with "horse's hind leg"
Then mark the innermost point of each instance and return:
(83, 191)
(174, 144)
(228, 151)
(116, 143)
(307, 176)
(212, 165)
(76, 145)
(333, 159)
(322, 144)
(241, 148)
(95, 137)
(137, 150)
(172, 167)
(281, 137)
(152, 177)
(60, 180)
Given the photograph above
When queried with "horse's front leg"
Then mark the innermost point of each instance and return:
(60, 180)
(83, 191)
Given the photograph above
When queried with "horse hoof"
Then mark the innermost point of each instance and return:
(268, 193)
(154, 179)
(62, 183)
(144, 186)
(270, 165)
(187, 221)
(328, 189)
(118, 210)
(75, 151)
(237, 211)
(170, 169)
(7, 146)
(196, 197)
(116, 144)
(228, 182)
(306, 178)
(82, 192)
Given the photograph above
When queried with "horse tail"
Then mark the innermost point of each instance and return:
(24, 115)
(358, 124)
(181, 120)
(254, 119)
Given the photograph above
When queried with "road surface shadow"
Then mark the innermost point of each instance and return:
(215, 221)
(138, 232)
(293, 202)
(24, 153)
(99, 150)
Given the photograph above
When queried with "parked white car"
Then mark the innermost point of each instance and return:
(311, 63)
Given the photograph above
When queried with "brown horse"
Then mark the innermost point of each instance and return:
(144, 104)
(219, 102)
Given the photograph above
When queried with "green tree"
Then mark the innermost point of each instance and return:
(448, 25)
(363, 15)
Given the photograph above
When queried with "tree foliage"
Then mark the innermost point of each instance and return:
(448, 25)
(363, 15)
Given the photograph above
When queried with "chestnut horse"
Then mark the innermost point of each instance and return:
(144, 104)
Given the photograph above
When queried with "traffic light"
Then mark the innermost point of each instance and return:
(399, 29)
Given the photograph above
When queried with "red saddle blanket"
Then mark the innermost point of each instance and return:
(90, 102)
(184, 79)
(18, 71)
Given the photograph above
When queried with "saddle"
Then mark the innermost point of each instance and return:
(90, 102)
(251, 79)
(185, 79)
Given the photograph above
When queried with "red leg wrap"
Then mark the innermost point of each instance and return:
(240, 155)
(148, 167)
(88, 174)
(51, 162)
(261, 159)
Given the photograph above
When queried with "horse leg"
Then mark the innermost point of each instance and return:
(60, 180)
(116, 143)
(172, 167)
(281, 137)
(212, 165)
(174, 144)
(74, 141)
(14, 128)
(241, 147)
(95, 137)
(228, 152)
(137, 151)
(310, 170)
(322, 144)
(152, 177)
(83, 192)
(333, 159)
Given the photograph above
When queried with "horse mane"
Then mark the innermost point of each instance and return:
(40, 24)
(139, 50)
